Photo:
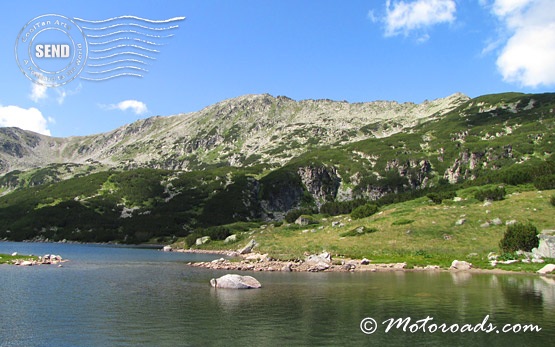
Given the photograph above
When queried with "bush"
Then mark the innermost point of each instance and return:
(519, 237)
(438, 198)
(545, 182)
(553, 200)
(495, 194)
(358, 231)
(292, 215)
(364, 211)
(191, 239)
(335, 208)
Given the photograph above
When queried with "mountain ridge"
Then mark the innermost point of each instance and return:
(252, 125)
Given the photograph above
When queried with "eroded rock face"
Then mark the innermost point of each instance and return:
(546, 247)
(321, 182)
(233, 281)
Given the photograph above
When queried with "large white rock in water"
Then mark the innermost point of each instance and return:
(235, 282)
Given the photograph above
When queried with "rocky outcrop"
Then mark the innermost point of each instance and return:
(416, 171)
(321, 182)
(232, 281)
(546, 246)
(273, 128)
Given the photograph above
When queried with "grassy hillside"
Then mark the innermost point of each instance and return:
(418, 232)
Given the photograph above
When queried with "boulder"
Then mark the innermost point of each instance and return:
(460, 221)
(287, 267)
(484, 225)
(546, 269)
(497, 221)
(202, 240)
(248, 248)
(303, 220)
(319, 262)
(546, 247)
(460, 265)
(364, 261)
(167, 248)
(233, 281)
(231, 239)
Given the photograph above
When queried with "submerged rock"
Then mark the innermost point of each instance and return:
(232, 281)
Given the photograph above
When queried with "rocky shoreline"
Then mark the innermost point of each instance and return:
(323, 262)
(313, 263)
(47, 259)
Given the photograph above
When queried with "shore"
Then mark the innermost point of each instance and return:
(257, 262)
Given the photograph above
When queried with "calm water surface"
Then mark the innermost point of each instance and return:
(113, 296)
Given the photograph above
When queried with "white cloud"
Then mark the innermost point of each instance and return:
(528, 53)
(138, 107)
(404, 17)
(26, 119)
(38, 92)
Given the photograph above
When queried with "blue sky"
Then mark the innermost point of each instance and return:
(409, 50)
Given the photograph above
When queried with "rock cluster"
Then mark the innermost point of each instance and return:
(47, 259)
(312, 263)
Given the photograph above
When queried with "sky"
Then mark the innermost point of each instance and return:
(193, 53)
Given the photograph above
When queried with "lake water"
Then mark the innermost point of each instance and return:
(114, 296)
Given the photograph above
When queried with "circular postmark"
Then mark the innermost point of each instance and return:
(51, 50)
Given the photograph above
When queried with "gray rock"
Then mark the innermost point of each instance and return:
(302, 220)
(233, 281)
(167, 248)
(231, 239)
(287, 267)
(497, 221)
(249, 247)
(460, 221)
(510, 222)
(364, 261)
(461, 265)
(492, 256)
(546, 247)
(202, 240)
(484, 225)
(319, 262)
(335, 224)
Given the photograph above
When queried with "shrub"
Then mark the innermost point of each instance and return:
(494, 194)
(334, 208)
(364, 211)
(217, 233)
(553, 200)
(292, 215)
(358, 231)
(545, 182)
(191, 239)
(438, 198)
(519, 237)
